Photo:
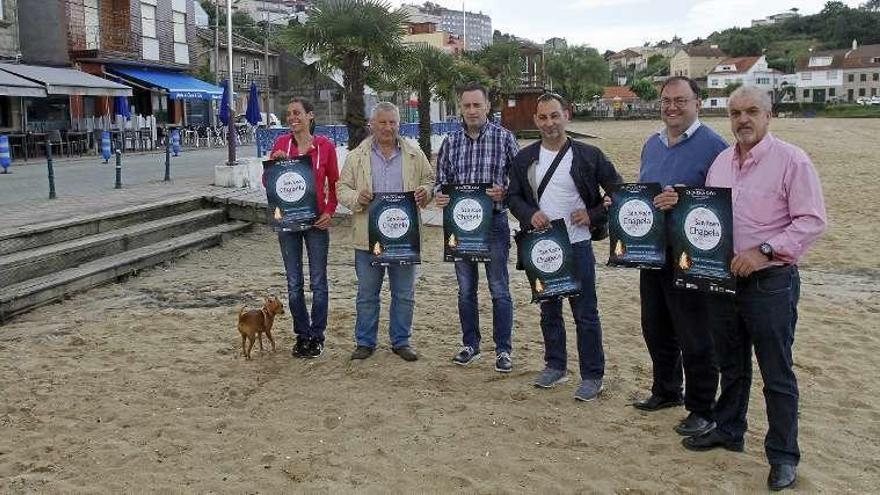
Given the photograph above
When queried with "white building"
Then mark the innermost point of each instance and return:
(820, 77)
(747, 71)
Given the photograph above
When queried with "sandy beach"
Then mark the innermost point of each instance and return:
(138, 386)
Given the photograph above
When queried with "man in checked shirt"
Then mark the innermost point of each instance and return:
(481, 152)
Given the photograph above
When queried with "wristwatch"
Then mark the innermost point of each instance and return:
(767, 250)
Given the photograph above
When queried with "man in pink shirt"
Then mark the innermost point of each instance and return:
(778, 213)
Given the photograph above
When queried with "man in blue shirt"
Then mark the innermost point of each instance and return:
(481, 152)
(674, 321)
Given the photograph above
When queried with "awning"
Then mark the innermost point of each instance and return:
(57, 81)
(12, 85)
(179, 86)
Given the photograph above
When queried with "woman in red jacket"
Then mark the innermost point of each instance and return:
(308, 329)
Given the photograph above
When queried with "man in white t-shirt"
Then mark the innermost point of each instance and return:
(572, 194)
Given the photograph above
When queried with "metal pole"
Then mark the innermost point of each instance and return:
(118, 184)
(266, 65)
(51, 168)
(230, 129)
(217, 42)
(167, 155)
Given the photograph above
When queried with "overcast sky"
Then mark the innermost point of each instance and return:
(618, 24)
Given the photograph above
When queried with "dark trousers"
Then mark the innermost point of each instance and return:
(677, 334)
(584, 309)
(764, 317)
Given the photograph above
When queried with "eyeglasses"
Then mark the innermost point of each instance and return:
(678, 102)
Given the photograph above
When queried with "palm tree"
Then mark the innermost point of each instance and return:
(427, 68)
(356, 37)
(501, 61)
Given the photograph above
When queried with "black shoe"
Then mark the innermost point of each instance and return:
(781, 476)
(656, 402)
(361, 352)
(503, 363)
(695, 424)
(406, 353)
(711, 440)
(314, 349)
(300, 348)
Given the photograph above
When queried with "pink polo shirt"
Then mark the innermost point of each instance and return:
(777, 197)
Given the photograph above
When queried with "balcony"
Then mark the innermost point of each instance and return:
(242, 81)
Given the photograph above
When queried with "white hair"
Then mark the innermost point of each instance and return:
(385, 106)
(758, 95)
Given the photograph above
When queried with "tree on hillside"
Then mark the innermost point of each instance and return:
(242, 23)
(871, 5)
(645, 89)
(356, 37)
(577, 72)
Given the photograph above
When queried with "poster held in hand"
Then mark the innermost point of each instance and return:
(393, 230)
(467, 223)
(290, 193)
(548, 260)
(637, 228)
(702, 239)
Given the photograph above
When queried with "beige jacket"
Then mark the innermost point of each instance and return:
(357, 175)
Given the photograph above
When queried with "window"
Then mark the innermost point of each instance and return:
(256, 66)
(873, 91)
(832, 92)
(850, 77)
(876, 76)
(861, 91)
(242, 63)
(179, 27)
(806, 93)
(831, 75)
(148, 20)
(863, 77)
(806, 76)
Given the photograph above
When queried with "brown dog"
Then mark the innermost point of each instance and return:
(254, 323)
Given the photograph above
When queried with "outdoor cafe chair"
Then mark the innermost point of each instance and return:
(54, 138)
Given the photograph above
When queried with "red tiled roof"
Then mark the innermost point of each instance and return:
(627, 53)
(863, 57)
(742, 64)
(622, 92)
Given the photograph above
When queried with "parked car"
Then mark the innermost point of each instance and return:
(274, 121)
(875, 100)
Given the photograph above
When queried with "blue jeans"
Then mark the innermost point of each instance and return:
(584, 308)
(499, 287)
(402, 279)
(764, 317)
(317, 243)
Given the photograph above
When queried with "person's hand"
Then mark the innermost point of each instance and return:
(580, 217)
(323, 222)
(278, 155)
(364, 198)
(540, 220)
(496, 192)
(441, 200)
(666, 199)
(606, 202)
(748, 262)
(421, 196)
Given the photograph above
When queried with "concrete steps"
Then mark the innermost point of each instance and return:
(89, 251)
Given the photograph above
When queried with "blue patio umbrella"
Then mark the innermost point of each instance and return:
(253, 109)
(224, 105)
(122, 108)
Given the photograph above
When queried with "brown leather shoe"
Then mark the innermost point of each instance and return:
(406, 353)
(361, 352)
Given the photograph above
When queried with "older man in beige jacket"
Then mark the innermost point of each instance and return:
(382, 163)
